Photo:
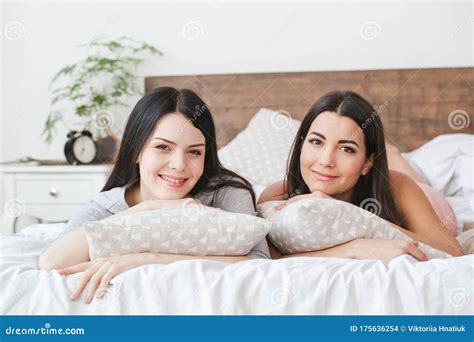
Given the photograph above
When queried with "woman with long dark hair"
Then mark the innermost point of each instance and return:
(339, 152)
(167, 159)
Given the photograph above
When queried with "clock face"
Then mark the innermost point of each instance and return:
(84, 149)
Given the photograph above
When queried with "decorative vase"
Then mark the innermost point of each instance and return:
(107, 148)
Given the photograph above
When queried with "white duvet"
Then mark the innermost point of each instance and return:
(261, 287)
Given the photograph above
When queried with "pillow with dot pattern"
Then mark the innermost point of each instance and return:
(314, 224)
(201, 231)
(259, 153)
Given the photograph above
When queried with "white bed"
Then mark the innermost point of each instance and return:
(289, 286)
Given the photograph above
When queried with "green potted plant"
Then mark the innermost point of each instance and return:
(93, 87)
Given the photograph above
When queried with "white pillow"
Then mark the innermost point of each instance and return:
(200, 231)
(446, 161)
(466, 240)
(259, 153)
(318, 223)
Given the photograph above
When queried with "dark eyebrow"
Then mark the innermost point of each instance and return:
(348, 142)
(318, 134)
(339, 142)
(173, 143)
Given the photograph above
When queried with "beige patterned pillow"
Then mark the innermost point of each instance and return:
(318, 223)
(260, 151)
(202, 231)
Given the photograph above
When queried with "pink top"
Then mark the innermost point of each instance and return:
(441, 206)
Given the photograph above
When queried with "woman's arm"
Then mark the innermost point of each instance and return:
(398, 163)
(165, 259)
(72, 248)
(100, 272)
(420, 220)
(385, 250)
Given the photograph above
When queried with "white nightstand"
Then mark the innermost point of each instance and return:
(50, 193)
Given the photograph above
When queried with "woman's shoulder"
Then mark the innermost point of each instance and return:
(232, 195)
(400, 181)
(112, 200)
(273, 192)
(228, 186)
(102, 205)
(406, 192)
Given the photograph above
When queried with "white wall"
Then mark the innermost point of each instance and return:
(233, 38)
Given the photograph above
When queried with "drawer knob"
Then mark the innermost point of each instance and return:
(53, 192)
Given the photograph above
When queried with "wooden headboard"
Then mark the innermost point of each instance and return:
(418, 104)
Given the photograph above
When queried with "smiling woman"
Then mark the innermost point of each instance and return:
(170, 163)
(168, 157)
(339, 152)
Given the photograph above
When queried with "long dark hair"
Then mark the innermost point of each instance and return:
(140, 125)
(374, 185)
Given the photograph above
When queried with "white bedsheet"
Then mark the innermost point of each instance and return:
(288, 286)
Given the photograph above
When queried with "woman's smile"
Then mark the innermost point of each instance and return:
(323, 176)
(173, 181)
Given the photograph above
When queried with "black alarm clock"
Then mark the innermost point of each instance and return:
(80, 148)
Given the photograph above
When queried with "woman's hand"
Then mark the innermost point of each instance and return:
(316, 194)
(385, 250)
(100, 272)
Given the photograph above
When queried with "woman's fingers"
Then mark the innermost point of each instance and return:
(287, 202)
(98, 276)
(316, 194)
(282, 205)
(413, 250)
(104, 283)
(95, 281)
(83, 282)
(74, 269)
